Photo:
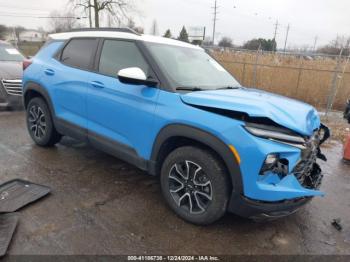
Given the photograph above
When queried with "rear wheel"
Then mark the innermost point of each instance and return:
(195, 184)
(40, 124)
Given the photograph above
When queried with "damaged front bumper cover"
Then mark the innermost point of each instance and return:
(312, 178)
(261, 210)
(257, 210)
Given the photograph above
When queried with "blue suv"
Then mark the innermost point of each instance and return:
(170, 109)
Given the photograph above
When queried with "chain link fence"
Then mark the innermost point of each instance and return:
(323, 81)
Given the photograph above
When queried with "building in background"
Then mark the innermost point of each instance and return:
(32, 36)
(27, 36)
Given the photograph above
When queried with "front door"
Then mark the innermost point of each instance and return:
(120, 116)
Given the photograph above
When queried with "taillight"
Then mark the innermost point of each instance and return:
(26, 63)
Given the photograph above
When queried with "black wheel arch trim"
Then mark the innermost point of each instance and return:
(32, 86)
(203, 137)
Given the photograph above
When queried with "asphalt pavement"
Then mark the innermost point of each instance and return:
(101, 205)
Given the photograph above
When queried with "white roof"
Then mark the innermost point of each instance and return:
(122, 35)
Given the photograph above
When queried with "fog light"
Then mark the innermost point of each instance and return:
(271, 159)
(269, 164)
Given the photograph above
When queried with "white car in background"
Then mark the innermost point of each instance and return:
(10, 76)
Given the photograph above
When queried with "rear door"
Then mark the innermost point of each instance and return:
(120, 115)
(67, 77)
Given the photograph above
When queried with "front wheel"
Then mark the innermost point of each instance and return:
(195, 184)
(40, 124)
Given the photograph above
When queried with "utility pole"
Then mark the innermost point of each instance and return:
(90, 15)
(215, 19)
(315, 43)
(15, 37)
(275, 34)
(285, 42)
(154, 30)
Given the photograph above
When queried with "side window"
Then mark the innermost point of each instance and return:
(117, 55)
(79, 53)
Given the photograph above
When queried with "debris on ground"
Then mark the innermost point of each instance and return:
(8, 224)
(17, 193)
(14, 195)
(336, 223)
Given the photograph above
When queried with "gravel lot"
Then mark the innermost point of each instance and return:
(100, 205)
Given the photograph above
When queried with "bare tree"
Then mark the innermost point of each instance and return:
(118, 9)
(60, 22)
(3, 32)
(18, 30)
(336, 45)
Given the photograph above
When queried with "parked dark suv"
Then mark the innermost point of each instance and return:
(10, 76)
(170, 109)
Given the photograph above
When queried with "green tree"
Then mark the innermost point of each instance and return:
(265, 44)
(183, 35)
(226, 42)
(168, 34)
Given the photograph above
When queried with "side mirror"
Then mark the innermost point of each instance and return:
(135, 75)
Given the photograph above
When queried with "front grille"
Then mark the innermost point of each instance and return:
(12, 87)
(307, 170)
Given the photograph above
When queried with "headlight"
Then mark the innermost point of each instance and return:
(275, 133)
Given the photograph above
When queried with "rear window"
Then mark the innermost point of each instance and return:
(9, 53)
(79, 53)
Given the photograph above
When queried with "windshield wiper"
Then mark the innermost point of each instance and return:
(186, 88)
(227, 87)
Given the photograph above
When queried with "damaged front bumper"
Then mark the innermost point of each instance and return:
(264, 210)
(275, 194)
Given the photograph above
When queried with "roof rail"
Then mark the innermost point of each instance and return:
(111, 29)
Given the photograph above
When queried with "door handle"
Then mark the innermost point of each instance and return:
(97, 84)
(49, 72)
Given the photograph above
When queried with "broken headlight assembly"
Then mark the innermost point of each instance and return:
(278, 134)
(307, 170)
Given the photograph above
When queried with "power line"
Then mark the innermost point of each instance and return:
(20, 14)
(22, 8)
(275, 34)
(31, 16)
(276, 29)
(215, 19)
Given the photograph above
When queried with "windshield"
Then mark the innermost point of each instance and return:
(191, 68)
(9, 53)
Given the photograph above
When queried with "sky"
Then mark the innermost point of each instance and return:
(241, 20)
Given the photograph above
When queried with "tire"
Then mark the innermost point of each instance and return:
(207, 185)
(40, 124)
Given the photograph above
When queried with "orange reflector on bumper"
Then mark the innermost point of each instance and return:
(235, 153)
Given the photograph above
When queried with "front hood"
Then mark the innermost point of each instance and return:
(10, 70)
(295, 115)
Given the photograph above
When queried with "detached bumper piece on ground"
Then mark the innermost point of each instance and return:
(8, 224)
(17, 193)
(14, 195)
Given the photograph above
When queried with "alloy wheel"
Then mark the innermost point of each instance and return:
(190, 187)
(37, 121)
